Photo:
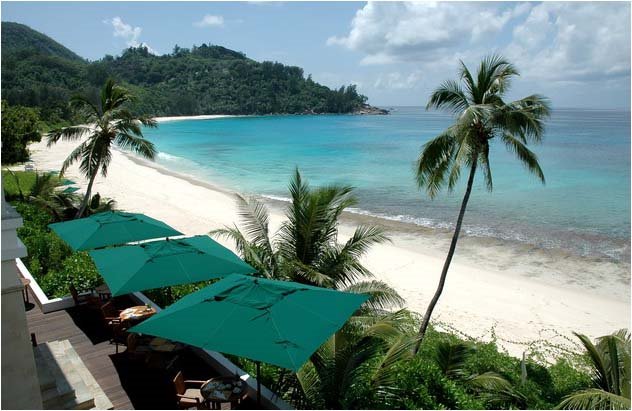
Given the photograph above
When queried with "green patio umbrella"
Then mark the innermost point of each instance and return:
(110, 228)
(165, 263)
(67, 182)
(69, 190)
(278, 322)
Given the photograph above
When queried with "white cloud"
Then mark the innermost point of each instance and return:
(398, 81)
(406, 31)
(574, 41)
(551, 43)
(128, 33)
(210, 20)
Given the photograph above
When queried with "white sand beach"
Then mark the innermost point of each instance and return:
(200, 117)
(522, 301)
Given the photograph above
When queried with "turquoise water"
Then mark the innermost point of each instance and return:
(584, 206)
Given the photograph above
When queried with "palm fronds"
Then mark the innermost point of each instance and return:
(610, 360)
(110, 124)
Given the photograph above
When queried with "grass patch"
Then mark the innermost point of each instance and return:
(25, 179)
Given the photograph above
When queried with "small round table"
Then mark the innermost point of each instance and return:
(224, 389)
(136, 313)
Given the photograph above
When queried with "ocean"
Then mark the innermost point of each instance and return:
(584, 207)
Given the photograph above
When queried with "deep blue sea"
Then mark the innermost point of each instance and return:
(584, 206)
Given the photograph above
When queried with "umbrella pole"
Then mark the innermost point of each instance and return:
(258, 383)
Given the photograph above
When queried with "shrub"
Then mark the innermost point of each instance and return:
(423, 385)
(20, 126)
(78, 270)
(568, 376)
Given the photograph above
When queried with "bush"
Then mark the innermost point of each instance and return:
(78, 270)
(567, 376)
(424, 386)
(20, 126)
(46, 251)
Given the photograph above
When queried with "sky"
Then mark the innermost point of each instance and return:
(575, 53)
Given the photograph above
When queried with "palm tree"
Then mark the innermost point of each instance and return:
(610, 361)
(356, 367)
(44, 193)
(481, 115)
(306, 249)
(110, 123)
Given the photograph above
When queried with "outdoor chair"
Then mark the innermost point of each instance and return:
(188, 392)
(85, 300)
(113, 323)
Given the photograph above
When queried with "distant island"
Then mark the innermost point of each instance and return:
(39, 72)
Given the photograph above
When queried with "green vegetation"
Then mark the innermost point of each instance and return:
(20, 126)
(480, 115)
(448, 372)
(610, 369)
(111, 124)
(37, 198)
(306, 248)
(206, 79)
(361, 356)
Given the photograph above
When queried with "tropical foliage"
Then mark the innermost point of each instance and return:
(109, 123)
(610, 369)
(481, 115)
(20, 126)
(39, 200)
(361, 356)
(306, 248)
(206, 79)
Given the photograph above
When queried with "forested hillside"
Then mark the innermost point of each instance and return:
(207, 79)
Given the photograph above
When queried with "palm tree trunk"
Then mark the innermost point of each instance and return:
(448, 260)
(86, 198)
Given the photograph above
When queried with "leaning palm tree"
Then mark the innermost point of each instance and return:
(610, 363)
(110, 123)
(306, 248)
(481, 115)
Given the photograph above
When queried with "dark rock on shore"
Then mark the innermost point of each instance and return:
(367, 109)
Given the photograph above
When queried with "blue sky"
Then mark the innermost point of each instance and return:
(578, 54)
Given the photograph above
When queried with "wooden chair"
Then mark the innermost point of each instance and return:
(112, 321)
(86, 299)
(188, 397)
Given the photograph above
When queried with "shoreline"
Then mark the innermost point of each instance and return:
(521, 301)
(165, 119)
(471, 249)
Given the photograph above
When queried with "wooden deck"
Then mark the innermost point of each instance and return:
(128, 384)
(96, 354)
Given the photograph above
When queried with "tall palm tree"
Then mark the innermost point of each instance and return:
(481, 115)
(306, 248)
(109, 123)
(610, 360)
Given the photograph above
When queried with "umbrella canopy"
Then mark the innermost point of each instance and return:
(164, 263)
(110, 228)
(70, 190)
(278, 322)
(67, 182)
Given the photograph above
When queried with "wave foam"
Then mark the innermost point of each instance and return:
(169, 157)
